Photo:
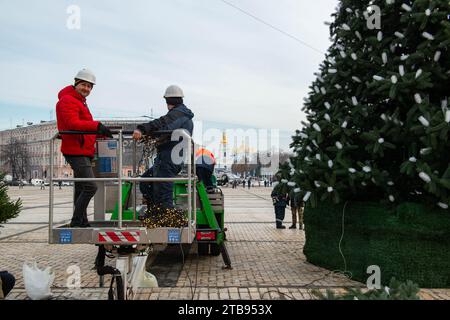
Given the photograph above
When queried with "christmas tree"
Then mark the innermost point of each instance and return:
(378, 112)
(8, 209)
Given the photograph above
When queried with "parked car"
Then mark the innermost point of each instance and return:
(36, 182)
(13, 183)
(64, 183)
(16, 182)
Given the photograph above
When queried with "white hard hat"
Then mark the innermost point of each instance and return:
(85, 75)
(174, 92)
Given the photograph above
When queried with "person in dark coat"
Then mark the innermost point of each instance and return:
(280, 200)
(178, 117)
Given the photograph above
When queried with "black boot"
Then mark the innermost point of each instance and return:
(280, 226)
(293, 227)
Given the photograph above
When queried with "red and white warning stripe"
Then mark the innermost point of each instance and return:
(119, 236)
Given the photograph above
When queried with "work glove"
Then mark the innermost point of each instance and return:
(104, 131)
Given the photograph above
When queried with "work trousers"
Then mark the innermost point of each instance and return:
(297, 211)
(205, 176)
(160, 193)
(279, 215)
(84, 191)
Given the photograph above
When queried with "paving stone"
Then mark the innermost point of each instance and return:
(267, 263)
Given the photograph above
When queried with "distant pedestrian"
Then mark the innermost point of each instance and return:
(60, 185)
(296, 204)
(42, 185)
(279, 199)
(243, 183)
(20, 184)
(249, 182)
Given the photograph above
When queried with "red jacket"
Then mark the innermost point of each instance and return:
(72, 113)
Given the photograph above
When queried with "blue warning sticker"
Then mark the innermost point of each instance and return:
(105, 164)
(112, 145)
(65, 236)
(174, 236)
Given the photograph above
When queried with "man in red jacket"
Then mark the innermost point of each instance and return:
(73, 114)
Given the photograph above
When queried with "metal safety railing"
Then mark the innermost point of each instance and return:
(191, 176)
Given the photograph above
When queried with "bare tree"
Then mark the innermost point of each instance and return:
(15, 155)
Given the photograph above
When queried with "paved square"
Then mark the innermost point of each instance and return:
(267, 263)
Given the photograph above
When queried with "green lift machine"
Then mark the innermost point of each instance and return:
(210, 229)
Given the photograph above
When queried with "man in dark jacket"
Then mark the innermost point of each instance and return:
(73, 114)
(178, 117)
(7, 281)
(279, 199)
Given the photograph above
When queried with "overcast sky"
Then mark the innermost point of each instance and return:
(233, 68)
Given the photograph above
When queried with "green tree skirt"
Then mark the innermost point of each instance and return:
(410, 242)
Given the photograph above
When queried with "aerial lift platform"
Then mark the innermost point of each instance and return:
(124, 235)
